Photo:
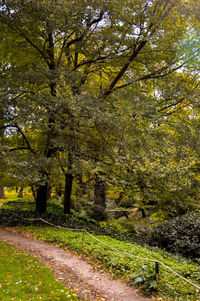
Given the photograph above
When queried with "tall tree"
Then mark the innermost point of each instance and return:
(73, 59)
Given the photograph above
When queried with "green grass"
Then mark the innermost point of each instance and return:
(24, 278)
(12, 196)
(132, 270)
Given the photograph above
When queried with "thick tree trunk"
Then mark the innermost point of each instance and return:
(99, 192)
(68, 190)
(49, 193)
(41, 198)
(2, 194)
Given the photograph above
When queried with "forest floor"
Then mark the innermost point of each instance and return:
(84, 279)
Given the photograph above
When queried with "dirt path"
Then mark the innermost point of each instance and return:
(73, 271)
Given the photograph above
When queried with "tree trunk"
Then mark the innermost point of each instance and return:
(99, 192)
(41, 198)
(2, 194)
(33, 192)
(20, 193)
(48, 192)
(68, 190)
(43, 191)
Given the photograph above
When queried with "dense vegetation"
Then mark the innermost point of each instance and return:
(180, 235)
(99, 109)
(134, 271)
(101, 96)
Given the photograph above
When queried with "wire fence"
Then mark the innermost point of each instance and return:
(157, 262)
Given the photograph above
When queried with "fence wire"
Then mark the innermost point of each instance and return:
(114, 249)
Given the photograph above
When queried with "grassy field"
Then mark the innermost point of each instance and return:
(24, 278)
(12, 196)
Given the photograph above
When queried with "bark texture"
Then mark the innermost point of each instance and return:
(41, 198)
(68, 191)
(99, 192)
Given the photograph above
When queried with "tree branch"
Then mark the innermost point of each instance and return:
(34, 46)
(124, 68)
(171, 105)
(18, 148)
(22, 134)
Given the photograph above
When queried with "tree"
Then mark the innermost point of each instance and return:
(73, 59)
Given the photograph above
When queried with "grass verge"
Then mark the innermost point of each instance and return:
(24, 278)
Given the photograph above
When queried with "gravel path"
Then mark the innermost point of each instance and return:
(73, 271)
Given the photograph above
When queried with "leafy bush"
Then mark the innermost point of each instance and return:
(145, 277)
(180, 235)
(98, 213)
(126, 202)
(128, 224)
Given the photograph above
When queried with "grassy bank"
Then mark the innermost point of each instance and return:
(24, 278)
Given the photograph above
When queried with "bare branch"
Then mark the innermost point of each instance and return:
(174, 111)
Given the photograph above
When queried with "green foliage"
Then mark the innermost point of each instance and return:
(145, 278)
(180, 235)
(13, 210)
(127, 224)
(130, 269)
(23, 277)
(114, 224)
(88, 94)
(97, 213)
(127, 201)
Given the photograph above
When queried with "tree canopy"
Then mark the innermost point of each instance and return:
(106, 90)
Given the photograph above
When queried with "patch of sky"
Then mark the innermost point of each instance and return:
(189, 47)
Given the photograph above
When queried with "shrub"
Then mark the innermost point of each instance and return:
(97, 213)
(128, 224)
(180, 235)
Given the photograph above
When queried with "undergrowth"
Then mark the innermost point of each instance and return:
(12, 211)
(134, 271)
